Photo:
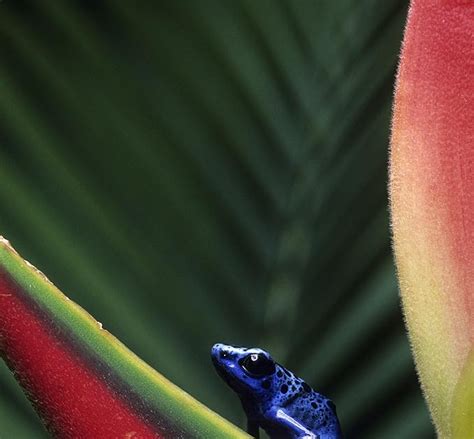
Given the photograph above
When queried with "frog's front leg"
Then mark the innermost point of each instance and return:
(298, 430)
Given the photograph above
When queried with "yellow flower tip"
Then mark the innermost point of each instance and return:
(462, 424)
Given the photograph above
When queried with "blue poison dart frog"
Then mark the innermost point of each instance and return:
(274, 398)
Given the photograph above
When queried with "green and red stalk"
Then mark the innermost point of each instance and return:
(81, 380)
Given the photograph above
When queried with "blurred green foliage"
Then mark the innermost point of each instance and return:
(213, 170)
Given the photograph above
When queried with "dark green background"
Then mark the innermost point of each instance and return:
(202, 171)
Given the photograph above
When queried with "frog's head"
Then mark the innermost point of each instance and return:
(247, 371)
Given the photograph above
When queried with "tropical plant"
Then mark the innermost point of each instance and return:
(193, 172)
(432, 193)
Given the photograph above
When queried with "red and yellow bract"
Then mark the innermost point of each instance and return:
(432, 204)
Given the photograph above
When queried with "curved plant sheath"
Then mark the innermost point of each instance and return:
(81, 380)
(432, 202)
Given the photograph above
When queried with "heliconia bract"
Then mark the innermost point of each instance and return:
(81, 380)
(432, 204)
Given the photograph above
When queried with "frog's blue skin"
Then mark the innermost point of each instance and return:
(273, 397)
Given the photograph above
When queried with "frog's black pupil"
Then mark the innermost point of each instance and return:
(258, 365)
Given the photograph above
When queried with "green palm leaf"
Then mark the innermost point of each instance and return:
(193, 172)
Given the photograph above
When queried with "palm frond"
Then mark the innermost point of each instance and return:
(225, 163)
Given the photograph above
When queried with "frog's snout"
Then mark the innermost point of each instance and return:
(217, 350)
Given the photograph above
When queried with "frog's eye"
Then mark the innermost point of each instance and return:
(258, 365)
